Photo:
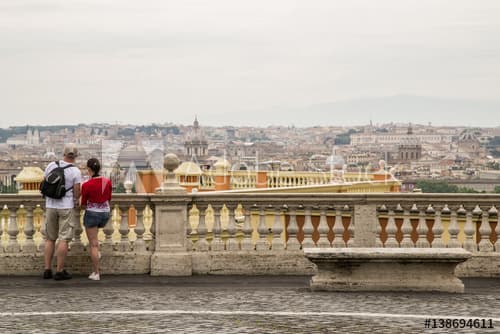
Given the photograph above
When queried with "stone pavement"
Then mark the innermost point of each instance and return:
(229, 304)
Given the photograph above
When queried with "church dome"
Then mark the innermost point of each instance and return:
(467, 135)
(196, 135)
(30, 174)
(133, 155)
(188, 168)
(222, 164)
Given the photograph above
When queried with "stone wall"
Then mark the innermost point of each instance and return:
(252, 263)
(117, 264)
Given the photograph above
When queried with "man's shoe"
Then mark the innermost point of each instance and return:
(62, 275)
(47, 274)
(95, 276)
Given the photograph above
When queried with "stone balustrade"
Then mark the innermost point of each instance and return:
(289, 222)
(279, 179)
(127, 241)
(253, 233)
(224, 179)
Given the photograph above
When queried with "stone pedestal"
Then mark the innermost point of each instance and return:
(386, 269)
(365, 225)
(171, 264)
(170, 257)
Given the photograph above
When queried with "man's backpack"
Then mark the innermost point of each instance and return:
(53, 185)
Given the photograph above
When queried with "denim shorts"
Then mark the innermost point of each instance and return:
(95, 219)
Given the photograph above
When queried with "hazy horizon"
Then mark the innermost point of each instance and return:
(259, 63)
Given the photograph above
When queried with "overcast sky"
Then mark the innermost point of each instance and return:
(237, 62)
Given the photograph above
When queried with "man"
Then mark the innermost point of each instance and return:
(59, 223)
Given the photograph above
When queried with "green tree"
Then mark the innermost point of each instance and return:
(6, 189)
(344, 138)
(119, 188)
(430, 186)
(493, 165)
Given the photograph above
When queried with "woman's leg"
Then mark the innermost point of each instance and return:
(94, 247)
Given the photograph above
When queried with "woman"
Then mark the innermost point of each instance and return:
(96, 194)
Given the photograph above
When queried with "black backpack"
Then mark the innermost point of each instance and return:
(53, 185)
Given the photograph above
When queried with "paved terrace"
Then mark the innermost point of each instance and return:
(230, 304)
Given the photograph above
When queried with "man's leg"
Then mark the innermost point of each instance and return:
(50, 230)
(49, 253)
(62, 250)
(65, 235)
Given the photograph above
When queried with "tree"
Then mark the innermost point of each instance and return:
(428, 186)
(344, 138)
(119, 188)
(493, 165)
(8, 189)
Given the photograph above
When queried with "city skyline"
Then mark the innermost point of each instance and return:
(256, 64)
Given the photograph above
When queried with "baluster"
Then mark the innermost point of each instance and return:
(232, 242)
(429, 212)
(76, 245)
(262, 243)
(391, 230)
(497, 232)
(189, 229)
(398, 214)
(277, 242)
(217, 243)
(350, 228)
(469, 243)
(406, 229)
(152, 229)
(124, 243)
(485, 244)
(308, 229)
(139, 243)
(29, 230)
(247, 242)
(41, 247)
(453, 230)
(2, 220)
(338, 230)
(323, 228)
(202, 243)
(108, 230)
(494, 213)
(379, 242)
(437, 230)
(293, 242)
(399, 209)
(13, 231)
(445, 216)
(422, 230)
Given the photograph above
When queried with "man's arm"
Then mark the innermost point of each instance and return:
(76, 193)
(77, 181)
